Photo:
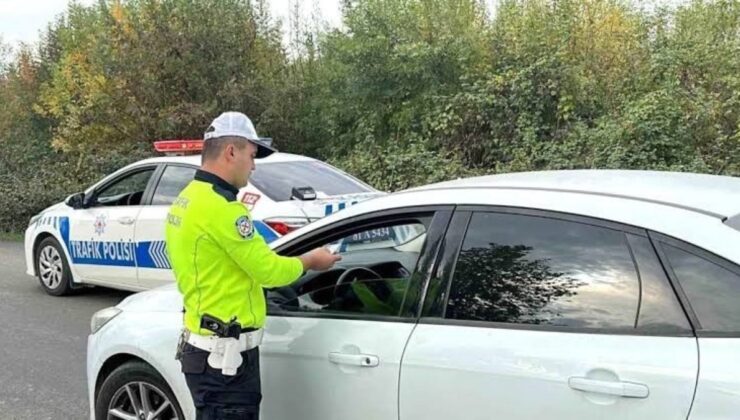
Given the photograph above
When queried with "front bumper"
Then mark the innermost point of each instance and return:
(28, 248)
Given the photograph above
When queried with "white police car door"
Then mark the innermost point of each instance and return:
(101, 237)
(545, 316)
(333, 351)
(153, 264)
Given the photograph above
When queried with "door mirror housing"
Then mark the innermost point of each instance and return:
(76, 201)
(89, 200)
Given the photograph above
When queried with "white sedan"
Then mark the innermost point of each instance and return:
(113, 233)
(559, 295)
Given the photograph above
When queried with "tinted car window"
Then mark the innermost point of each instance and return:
(277, 180)
(660, 310)
(174, 179)
(713, 290)
(534, 270)
(371, 279)
(127, 191)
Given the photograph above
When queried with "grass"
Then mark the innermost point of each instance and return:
(11, 236)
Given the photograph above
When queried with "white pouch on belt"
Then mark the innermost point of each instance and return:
(226, 352)
(226, 356)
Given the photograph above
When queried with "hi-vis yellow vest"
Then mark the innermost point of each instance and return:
(219, 260)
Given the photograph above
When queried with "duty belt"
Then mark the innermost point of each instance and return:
(225, 351)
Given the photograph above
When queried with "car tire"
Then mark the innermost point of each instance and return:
(52, 268)
(136, 377)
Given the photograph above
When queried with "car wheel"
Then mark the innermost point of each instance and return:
(135, 390)
(53, 269)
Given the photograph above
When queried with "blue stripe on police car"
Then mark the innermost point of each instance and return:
(329, 208)
(146, 254)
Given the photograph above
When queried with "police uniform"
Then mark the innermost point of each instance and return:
(221, 265)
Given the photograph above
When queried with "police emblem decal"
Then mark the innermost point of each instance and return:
(244, 227)
(100, 224)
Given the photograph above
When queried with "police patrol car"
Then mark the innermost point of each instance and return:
(112, 234)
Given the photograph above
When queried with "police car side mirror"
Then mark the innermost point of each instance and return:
(76, 201)
(89, 200)
(303, 194)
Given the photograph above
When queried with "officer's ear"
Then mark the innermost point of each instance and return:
(229, 151)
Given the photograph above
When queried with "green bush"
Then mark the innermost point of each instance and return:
(399, 166)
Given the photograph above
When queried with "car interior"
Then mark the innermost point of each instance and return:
(123, 199)
(371, 277)
(127, 191)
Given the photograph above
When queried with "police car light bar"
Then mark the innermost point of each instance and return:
(178, 147)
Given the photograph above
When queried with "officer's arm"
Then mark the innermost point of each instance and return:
(235, 232)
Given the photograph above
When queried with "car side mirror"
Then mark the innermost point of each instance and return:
(89, 200)
(76, 201)
(303, 194)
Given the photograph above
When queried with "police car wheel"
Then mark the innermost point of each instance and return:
(135, 390)
(53, 269)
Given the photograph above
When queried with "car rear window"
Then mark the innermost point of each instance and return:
(277, 180)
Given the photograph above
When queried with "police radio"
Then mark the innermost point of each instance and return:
(232, 329)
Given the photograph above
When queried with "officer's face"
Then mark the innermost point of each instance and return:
(244, 164)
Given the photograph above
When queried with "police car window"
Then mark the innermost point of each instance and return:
(277, 180)
(371, 279)
(535, 270)
(127, 191)
(174, 179)
(713, 290)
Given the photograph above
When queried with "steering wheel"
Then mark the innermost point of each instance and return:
(343, 278)
(134, 198)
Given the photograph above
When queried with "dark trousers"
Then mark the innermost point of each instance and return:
(220, 397)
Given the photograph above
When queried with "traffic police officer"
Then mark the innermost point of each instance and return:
(221, 265)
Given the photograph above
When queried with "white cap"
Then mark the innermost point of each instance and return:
(236, 124)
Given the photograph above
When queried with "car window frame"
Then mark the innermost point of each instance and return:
(410, 307)
(98, 189)
(447, 262)
(149, 195)
(658, 240)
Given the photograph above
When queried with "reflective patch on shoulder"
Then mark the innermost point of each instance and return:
(174, 220)
(181, 202)
(245, 227)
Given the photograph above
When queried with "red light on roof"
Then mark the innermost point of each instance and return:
(178, 146)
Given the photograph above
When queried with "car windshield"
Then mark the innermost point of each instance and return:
(277, 180)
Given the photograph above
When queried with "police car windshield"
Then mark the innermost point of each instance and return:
(277, 180)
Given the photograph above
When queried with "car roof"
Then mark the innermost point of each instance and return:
(693, 208)
(195, 159)
(714, 195)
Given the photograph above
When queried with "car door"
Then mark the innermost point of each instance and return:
(334, 339)
(151, 255)
(710, 287)
(543, 315)
(102, 234)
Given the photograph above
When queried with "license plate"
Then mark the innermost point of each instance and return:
(373, 235)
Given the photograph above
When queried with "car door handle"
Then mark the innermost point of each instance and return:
(362, 360)
(619, 389)
(126, 220)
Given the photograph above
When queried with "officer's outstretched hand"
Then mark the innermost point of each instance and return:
(319, 259)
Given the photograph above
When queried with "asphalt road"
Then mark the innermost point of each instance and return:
(43, 344)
